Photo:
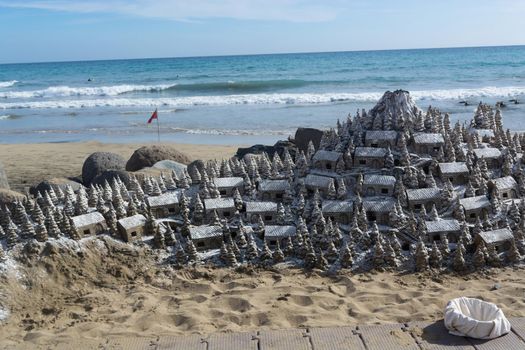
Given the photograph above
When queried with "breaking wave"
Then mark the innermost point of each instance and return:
(260, 99)
(6, 84)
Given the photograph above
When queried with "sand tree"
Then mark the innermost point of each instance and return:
(252, 252)
(52, 228)
(180, 255)
(378, 255)
(513, 254)
(158, 238)
(390, 254)
(310, 259)
(421, 256)
(435, 259)
(331, 192)
(41, 232)
(341, 189)
(301, 165)
(11, 234)
(459, 263)
(82, 203)
(266, 255)
(288, 247)
(278, 255)
(345, 257)
(193, 255)
(321, 263)
(310, 151)
(480, 254)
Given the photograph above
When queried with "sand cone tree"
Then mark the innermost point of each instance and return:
(435, 259)
(421, 255)
(479, 258)
(278, 255)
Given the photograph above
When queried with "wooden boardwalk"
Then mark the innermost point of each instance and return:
(415, 335)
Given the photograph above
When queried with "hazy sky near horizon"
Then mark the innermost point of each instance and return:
(63, 30)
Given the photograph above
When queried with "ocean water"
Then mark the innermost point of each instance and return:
(245, 99)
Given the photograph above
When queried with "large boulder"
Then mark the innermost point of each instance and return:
(279, 147)
(146, 156)
(3, 178)
(99, 162)
(304, 135)
(109, 175)
(169, 165)
(55, 183)
(8, 197)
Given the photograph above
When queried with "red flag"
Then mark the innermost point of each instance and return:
(153, 116)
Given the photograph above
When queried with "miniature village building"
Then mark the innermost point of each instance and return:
(338, 211)
(165, 205)
(227, 185)
(381, 138)
(443, 227)
(277, 233)
(206, 237)
(225, 207)
(89, 224)
(273, 190)
(267, 211)
(326, 160)
(456, 172)
(500, 239)
(131, 228)
(507, 187)
(419, 197)
(311, 182)
(378, 209)
(475, 207)
(370, 157)
(428, 143)
(491, 155)
(382, 185)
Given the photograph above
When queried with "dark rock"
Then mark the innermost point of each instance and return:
(146, 156)
(109, 175)
(199, 164)
(304, 135)
(54, 183)
(255, 149)
(8, 197)
(3, 178)
(279, 147)
(99, 162)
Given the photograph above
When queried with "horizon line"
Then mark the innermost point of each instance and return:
(257, 54)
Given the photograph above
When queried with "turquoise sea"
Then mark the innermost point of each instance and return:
(245, 99)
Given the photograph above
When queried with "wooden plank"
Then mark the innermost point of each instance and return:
(435, 336)
(191, 342)
(389, 336)
(232, 341)
(131, 343)
(284, 340)
(337, 338)
(518, 326)
(505, 342)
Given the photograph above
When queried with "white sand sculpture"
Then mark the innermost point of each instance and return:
(391, 188)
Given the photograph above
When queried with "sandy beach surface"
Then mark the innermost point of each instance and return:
(105, 288)
(111, 289)
(28, 164)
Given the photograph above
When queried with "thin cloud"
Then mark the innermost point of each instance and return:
(183, 10)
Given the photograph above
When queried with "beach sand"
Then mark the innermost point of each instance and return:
(28, 164)
(112, 289)
(117, 290)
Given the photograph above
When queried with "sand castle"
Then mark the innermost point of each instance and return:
(391, 188)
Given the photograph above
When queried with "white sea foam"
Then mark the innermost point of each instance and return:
(67, 91)
(6, 84)
(259, 99)
(5, 117)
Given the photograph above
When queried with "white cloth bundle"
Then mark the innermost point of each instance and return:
(469, 317)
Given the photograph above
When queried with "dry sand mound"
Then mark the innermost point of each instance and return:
(102, 287)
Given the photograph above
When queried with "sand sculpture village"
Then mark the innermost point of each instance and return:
(394, 187)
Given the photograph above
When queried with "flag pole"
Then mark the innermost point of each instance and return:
(158, 126)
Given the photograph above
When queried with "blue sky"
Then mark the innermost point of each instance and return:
(61, 30)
